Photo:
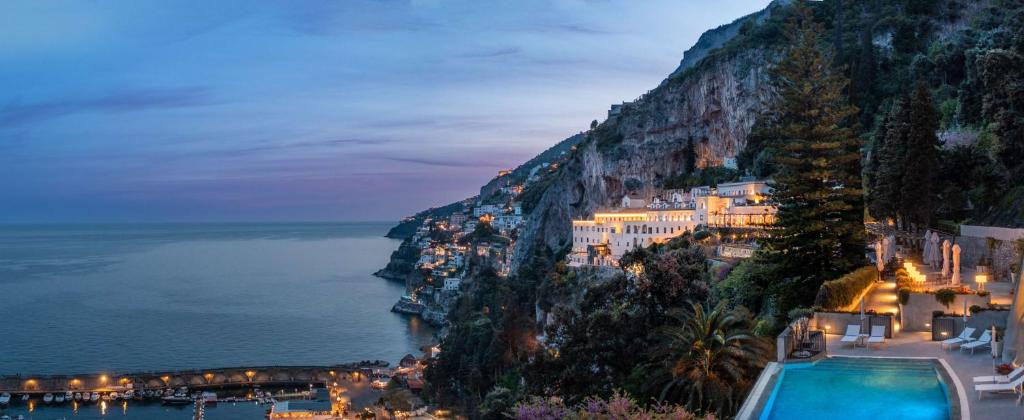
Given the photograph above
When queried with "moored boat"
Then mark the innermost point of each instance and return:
(25, 397)
(58, 398)
(68, 396)
(5, 398)
(94, 397)
(114, 396)
(78, 396)
(176, 400)
(48, 398)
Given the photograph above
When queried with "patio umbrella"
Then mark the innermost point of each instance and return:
(945, 258)
(861, 308)
(965, 310)
(956, 264)
(995, 349)
(890, 248)
(936, 251)
(926, 249)
(880, 256)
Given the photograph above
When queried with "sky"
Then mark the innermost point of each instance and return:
(240, 111)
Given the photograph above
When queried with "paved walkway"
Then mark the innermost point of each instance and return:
(965, 366)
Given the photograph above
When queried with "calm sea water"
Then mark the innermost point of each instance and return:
(105, 298)
(112, 298)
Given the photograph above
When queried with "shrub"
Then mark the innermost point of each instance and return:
(844, 290)
(701, 235)
(983, 293)
(936, 314)
(945, 296)
(976, 308)
(904, 295)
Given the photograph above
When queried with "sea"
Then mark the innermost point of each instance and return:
(120, 298)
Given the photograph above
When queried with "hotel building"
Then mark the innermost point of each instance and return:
(636, 223)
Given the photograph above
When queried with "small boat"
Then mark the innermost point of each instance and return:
(129, 394)
(59, 398)
(94, 397)
(114, 396)
(78, 396)
(208, 397)
(68, 396)
(48, 398)
(25, 397)
(5, 398)
(176, 400)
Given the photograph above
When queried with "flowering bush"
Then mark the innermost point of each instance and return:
(619, 406)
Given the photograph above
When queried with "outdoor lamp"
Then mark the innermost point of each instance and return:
(981, 279)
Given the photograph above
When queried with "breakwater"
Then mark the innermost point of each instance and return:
(196, 379)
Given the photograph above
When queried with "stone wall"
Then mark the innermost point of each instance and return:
(916, 315)
(836, 322)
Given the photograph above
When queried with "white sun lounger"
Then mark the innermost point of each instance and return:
(877, 335)
(852, 335)
(964, 337)
(983, 341)
(1014, 386)
(1000, 379)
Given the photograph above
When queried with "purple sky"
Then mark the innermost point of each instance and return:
(142, 111)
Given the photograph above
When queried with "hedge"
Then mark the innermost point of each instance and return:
(844, 290)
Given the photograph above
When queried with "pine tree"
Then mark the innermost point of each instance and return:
(818, 191)
(887, 181)
(918, 196)
(691, 156)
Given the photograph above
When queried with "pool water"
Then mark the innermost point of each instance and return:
(859, 388)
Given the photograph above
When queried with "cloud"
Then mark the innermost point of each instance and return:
(449, 163)
(126, 101)
(493, 53)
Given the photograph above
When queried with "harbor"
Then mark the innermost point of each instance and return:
(339, 388)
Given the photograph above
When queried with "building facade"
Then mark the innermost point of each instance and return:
(612, 232)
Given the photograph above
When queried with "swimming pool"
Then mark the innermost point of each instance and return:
(860, 388)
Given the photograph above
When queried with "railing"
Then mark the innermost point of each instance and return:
(789, 349)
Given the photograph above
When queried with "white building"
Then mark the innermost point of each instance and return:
(452, 283)
(611, 232)
(492, 209)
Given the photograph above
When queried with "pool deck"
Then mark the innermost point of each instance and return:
(965, 366)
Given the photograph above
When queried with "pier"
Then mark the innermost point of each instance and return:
(196, 379)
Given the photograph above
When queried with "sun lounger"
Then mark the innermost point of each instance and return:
(852, 335)
(1014, 386)
(1000, 379)
(984, 341)
(964, 337)
(877, 335)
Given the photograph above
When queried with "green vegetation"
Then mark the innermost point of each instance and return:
(618, 406)
(704, 176)
(945, 296)
(709, 360)
(817, 187)
(843, 291)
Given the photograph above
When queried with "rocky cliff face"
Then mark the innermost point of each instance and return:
(714, 105)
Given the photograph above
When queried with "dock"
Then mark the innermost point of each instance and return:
(195, 379)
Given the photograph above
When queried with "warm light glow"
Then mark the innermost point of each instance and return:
(103, 408)
(166, 379)
(103, 378)
(250, 374)
(208, 376)
(828, 327)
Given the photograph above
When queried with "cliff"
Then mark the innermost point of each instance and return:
(713, 104)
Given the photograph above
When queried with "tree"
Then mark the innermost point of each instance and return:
(691, 156)
(708, 360)
(918, 196)
(885, 198)
(817, 187)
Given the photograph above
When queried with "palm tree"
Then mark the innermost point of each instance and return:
(708, 360)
